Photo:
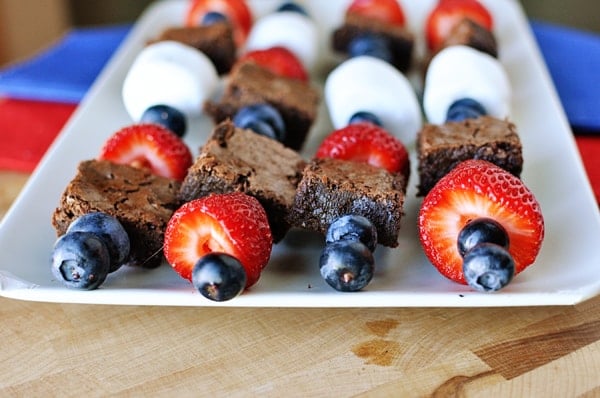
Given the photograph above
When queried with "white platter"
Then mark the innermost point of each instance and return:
(566, 271)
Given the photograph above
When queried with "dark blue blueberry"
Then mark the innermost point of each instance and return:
(110, 230)
(465, 108)
(371, 44)
(294, 7)
(347, 265)
(488, 267)
(353, 227)
(212, 17)
(481, 230)
(262, 119)
(219, 276)
(80, 260)
(364, 116)
(166, 116)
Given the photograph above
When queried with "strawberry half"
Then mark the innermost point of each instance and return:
(448, 13)
(149, 146)
(368, 143)
(278, 60)
(233, 223)
(236, 11)
(473, 189)
(388, 11)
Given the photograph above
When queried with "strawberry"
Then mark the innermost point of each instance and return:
(233, 223)
(448, 13)
(278, 60)
(388, 11)
(475, 189)
(151, 146)
(368, 143)
(236, 11)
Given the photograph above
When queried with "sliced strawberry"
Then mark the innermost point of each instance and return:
(278, 60)
(233, 223)
(388, 11)
(368, 143)
(473, 189)
(448, 13)
(236, 11)
(151, 146)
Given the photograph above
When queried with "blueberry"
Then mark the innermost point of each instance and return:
(212, 17)
(166, 116)
(481, 230)
(110, 231)
(80, 260)
(353, 227)
(291, 6)
(347, 265)
(263, 119)
(488, 267)
(465, 108)
(219, 276)
(365, 116)
(370, 44)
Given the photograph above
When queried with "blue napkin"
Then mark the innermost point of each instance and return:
(573, 60)
(65, 71)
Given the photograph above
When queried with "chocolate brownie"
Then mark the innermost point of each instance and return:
(441, 147)
(215, 40)
(140, 200)
(331, 188)
(297, 101)
(400, 40)
(469, 33)
(234, 159)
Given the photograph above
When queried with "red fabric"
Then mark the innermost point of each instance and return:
(589, 147)
(27, 128)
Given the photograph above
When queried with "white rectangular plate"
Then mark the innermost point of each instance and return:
(566, 271)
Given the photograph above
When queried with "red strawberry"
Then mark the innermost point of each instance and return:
(233, 223)
(151, 146)
(236, 11)
(278, 60)
(368, 143)
(388, 11)
(473, 189)
(448, 13)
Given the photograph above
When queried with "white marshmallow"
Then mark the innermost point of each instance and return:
(288, 29)
(463, 72)
(169, 73)
(369, 84)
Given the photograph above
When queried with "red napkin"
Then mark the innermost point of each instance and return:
(27, 128)
(589, 147)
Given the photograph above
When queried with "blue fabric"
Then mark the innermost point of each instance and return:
(65, 71)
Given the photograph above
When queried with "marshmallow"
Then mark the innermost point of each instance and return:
(462, 72)
(369, 84)
(289, 29)
(169, 73)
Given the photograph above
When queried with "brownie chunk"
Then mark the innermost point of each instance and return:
(235, 159)
(400, 40)
(441, 147)
(331, 188)
(140, 200)
(215, 40)
(469, 33)
(250, 84)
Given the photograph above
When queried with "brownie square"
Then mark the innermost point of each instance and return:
(141, 201)
(249, 84)
(401, 40)
(441, 147)
(469, 33)
(235, 159)
(331, 188)
(215, 40)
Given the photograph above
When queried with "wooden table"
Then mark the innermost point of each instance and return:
(103, 350)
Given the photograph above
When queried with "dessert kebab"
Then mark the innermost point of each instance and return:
(217, 216)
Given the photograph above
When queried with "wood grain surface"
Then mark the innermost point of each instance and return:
(98, 350)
